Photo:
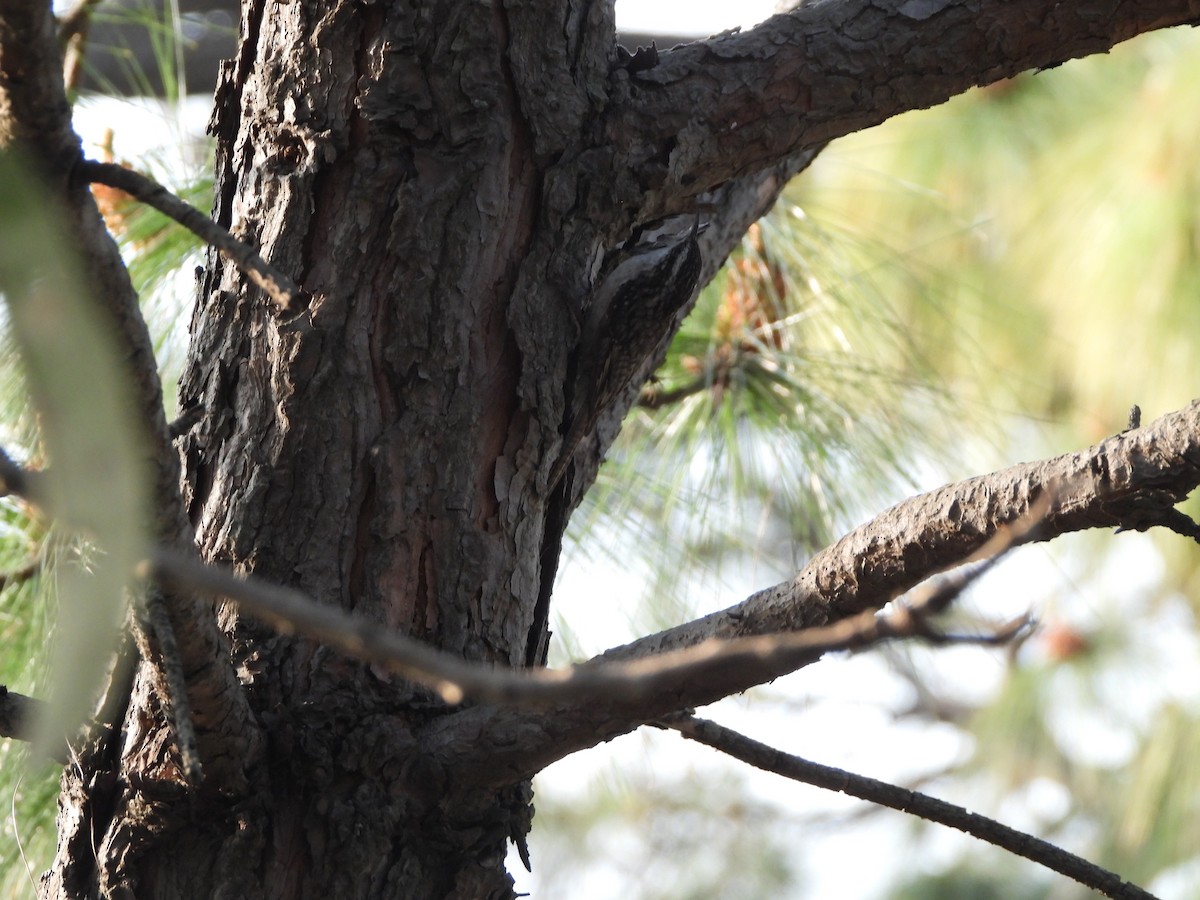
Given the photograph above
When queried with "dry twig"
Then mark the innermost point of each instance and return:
(767, 758)
(281, 289)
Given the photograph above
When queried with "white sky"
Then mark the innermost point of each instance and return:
(691, 16)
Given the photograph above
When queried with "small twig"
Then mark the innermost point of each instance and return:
(72, 39)
(997, 636)
(796, 768)
(1152, 509)
(1181, 523)
(651, 398)
(1169, 518)
(286, 294)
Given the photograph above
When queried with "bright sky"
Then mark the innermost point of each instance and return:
(691, 16)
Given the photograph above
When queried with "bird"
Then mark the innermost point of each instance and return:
(624, 326)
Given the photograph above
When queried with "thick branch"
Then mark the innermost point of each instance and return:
(740, 101)
(1130, 480)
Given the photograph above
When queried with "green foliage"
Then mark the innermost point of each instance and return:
(1088, 234)
(28, 786)
(1064, 205)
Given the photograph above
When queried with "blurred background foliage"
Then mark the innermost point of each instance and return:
(997, 279)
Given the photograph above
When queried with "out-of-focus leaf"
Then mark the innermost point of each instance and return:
(96, 460)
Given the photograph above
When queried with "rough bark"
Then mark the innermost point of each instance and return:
(444, 180)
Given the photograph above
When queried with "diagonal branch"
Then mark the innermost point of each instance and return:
(290, 611)
(829, 69)
(278, 286)
(1127, 480)
(1131, 480)
(769, 759)
(1073, 494)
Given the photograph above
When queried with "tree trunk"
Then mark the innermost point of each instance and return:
(445, 181)
(377, 448)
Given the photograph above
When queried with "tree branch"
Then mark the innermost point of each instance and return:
(1145, 470)
(36, 118)
(707, 670)
(72, 38)
(1129, 480)
(827, 69)
(290, 611)
(653, 398)
(278, 286)
(17, 713)
(915, 803)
